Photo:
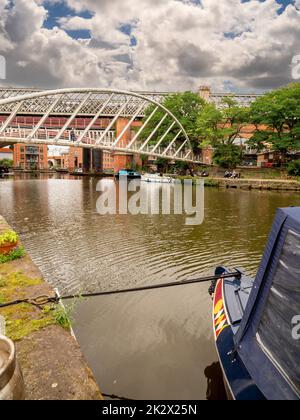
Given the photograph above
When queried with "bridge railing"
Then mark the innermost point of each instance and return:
(51, 134)
(159, 133)
(48, 135)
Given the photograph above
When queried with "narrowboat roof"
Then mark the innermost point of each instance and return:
(266, 341)
(127, 171)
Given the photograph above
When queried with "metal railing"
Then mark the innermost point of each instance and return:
(166, 139)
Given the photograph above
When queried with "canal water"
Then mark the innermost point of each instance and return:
(156, 344)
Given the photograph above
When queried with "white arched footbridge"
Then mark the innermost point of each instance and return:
(166, 139)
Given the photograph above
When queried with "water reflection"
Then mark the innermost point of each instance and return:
(156, 344)
(215, 385)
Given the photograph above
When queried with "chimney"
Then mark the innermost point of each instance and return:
(205, 92)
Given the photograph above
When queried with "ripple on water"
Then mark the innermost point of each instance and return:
(155, 344)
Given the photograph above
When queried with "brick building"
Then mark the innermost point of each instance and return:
(245, 134)
(108, 161)
(74, 159)
(70, 160)
(98, 160)
(30, 156)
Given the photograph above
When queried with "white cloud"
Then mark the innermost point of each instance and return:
(75, 23)
(180, 44)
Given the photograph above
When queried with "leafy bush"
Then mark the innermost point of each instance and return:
(6, 163)
(227, 155)
(294, 168)
(62, 314)
(9, 237)
(133, 166)
(209, 182)
(13, 255)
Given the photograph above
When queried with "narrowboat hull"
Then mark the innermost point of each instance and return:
(62, 171)
(238, 383)
(255, 321)
(157, 179)
(129, 176)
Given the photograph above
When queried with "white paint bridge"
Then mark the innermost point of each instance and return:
(71, 117)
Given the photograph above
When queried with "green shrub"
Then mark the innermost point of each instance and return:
(209, 182)
(13, 255)
(9, 237)
(294, 168)
(63, 315)
(227, 155)
(6, 163)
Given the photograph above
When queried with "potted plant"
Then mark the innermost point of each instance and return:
(8, 242)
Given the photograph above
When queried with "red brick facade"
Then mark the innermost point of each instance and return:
(36, 156)
(74, 158)
(30, 156)
(108, 161)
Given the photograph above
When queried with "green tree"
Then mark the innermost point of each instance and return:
(6, 163)
(276, 116)
(228, 155)
(294, 168)
(162, 164)
(181, 167)
(220, 128)
(185, 107)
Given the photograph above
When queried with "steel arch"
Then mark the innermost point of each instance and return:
(95, 103)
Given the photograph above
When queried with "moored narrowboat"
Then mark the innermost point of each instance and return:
(157, 178)
(126, 173)
(256, 321)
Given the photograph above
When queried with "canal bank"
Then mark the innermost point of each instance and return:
(50, 358)
(258, 184)
(262, 184)
(249, 184)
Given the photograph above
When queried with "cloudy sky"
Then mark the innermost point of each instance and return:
(232, 45)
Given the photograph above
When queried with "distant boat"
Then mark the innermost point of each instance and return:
(62, 170)
(129, 174)
(156, 178)
(256, 322)
(4, 170)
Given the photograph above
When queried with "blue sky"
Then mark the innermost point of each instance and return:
(284, 3)
(60, 9)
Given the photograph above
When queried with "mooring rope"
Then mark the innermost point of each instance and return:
(44, 299)
(116, 397)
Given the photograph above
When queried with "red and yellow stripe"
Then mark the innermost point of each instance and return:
(219, 313)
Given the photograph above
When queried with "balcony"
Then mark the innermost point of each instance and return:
(32, 150)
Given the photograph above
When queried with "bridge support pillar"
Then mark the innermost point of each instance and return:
(97, 160)
(123, 160)
(75, 158)
(92, 160)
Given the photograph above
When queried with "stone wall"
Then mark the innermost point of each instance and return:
(50, 358)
